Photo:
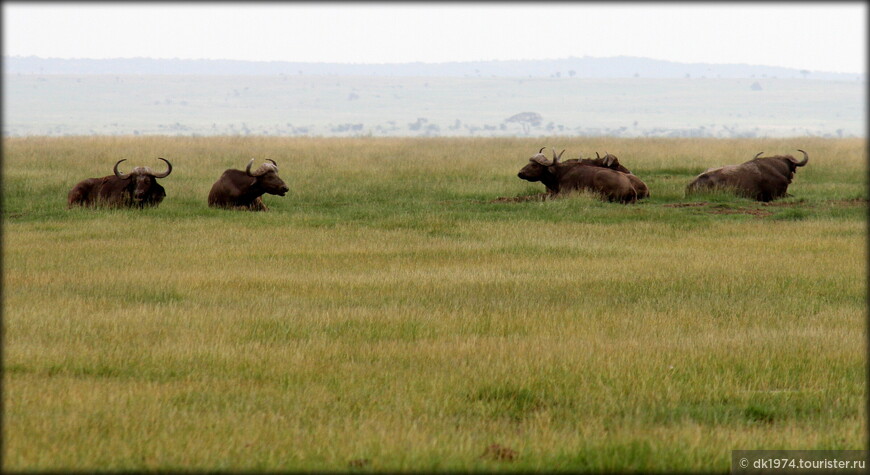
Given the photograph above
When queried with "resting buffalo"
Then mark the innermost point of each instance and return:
(243, 189)
(576, 175)
(137, 189)
(610, 161)
(762, 179)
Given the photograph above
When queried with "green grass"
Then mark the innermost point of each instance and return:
(390, 314)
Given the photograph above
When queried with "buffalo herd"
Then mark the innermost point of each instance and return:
(762, 179)
(235, 189)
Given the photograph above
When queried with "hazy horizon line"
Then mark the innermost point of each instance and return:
(623, 56)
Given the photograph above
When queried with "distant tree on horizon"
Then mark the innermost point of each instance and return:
(527, 120)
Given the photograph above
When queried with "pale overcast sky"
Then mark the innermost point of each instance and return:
(822, 36)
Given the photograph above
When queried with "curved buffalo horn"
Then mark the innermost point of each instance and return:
(259, 171)
(273, 162)
(541, 150)
(560, 153)
(757, 155)
(167, 172)
(555, 158)
(804, 161)
(119, 174)
(597, 156)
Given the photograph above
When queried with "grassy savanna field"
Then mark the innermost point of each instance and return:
(392, 313)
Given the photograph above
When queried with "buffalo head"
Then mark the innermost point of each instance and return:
(788, 160)
(267, 178)
(143, 182)
(537, 168)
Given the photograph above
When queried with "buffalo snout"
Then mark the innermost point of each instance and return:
(143, 185)
(273, 184)
(279, 187)
(538, 167)
(531, 172)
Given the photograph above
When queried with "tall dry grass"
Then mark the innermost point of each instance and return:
(389, 314)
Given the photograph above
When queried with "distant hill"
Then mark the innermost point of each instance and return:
(586, 67)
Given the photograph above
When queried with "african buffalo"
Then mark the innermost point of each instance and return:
(610, 161)
(243, 189)
(576, 175)
(762, 179)
(137, 189)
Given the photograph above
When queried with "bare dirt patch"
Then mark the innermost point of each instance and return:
(520, 199)
(499, 452)
(785, 204)
(851, 202)
(718, 209)
(359, 463)
(761, 213)
(802, 203)
(764, 210)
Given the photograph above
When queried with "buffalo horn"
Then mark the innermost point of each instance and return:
(541, 150)
(597, 156)
(119, 174)
(555, 158)
(258, 172)
(167, 172)
(757, 155)
(804, 161)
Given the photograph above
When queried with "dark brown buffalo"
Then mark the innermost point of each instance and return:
(610, 161)
(243, 190)
(561, 178)
(762, 178)
(137, 189)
